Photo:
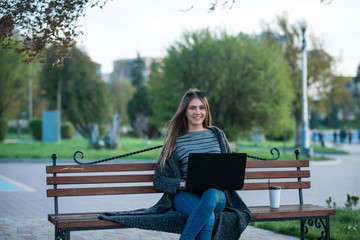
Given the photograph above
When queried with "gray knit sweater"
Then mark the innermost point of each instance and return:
(229, 224)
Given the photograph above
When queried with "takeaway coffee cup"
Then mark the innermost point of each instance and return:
(274, 194)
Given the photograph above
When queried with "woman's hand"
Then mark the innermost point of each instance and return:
(182, 185)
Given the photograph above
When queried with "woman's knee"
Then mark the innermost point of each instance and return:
(214, 200)
(213, 193)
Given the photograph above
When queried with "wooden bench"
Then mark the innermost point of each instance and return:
(289, 174)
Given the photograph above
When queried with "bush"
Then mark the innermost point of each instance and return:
(35, 127)
(3, 128)
(67, 130)
(278, 132)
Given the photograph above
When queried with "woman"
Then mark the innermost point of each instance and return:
(212, 214)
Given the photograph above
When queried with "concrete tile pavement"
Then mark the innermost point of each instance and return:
(40, 229)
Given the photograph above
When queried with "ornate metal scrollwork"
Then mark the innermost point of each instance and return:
(318, 223)
(268, 159)
(152, 148)
(60, 234)
(112, 158)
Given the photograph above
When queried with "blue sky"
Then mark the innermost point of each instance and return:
(124, 27)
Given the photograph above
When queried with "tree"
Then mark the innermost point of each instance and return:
(319, 66)
(14, 77)
(42, 23)
(122, 92)
(138, 71)
(139, 110)
(245, 79)
(341, 98)
(84, 97)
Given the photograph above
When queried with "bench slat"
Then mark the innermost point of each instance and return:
(277, 174)
(277, 164)
(99, 179)
(290, 211)
(284, 185)
(149, 177)
(86, 220)
(67, 192)
(100, 168)
(151, 166)
(87, 223)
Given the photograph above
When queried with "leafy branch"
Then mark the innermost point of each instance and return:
(38, 24)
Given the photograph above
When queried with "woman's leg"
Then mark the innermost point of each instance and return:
(200, 211)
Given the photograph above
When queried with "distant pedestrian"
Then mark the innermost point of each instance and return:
(359, 134)
(350, 135)
(335, 136)
(321, 138)
(342, 135)
(314, 133)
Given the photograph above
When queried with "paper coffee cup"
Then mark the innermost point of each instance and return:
(274, 194)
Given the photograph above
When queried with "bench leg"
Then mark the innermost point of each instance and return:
(67, 235)
(302, 229)
(318, 223)
(62, 234)
(57, 234)
(327, 228)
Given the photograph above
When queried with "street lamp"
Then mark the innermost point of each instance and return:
(305, 136)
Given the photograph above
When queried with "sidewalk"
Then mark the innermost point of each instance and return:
(40, 229)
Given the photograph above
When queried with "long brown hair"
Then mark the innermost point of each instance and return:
(178, 124)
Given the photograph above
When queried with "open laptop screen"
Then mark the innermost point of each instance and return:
(223, 171)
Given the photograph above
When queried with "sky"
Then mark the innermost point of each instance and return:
(124, 27)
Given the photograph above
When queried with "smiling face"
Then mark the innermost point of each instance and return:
(195, 114)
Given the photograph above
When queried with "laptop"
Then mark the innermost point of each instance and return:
(223, 171)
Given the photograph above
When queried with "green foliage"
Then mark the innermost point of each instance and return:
(84, 97)
(140, 103)
(344, 225)
(351, 201)
(67, 130)
(122, 92)
(282, 130)
(138, 71)
(329, 201)
(3, 128)
(43, 23)
(340, 100)
(139, 110)
(35, 127)
(245, 80)
(14, 77)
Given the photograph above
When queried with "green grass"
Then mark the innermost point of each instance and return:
(66, 148)
(262, 149)
(344, 225)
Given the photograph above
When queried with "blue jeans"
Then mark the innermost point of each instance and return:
(200, 209)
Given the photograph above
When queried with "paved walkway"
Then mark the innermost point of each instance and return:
(40, 229)
(24, 206)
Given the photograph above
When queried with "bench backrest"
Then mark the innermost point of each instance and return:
(113, 179)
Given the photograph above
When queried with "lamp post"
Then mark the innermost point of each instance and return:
(305, 136)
